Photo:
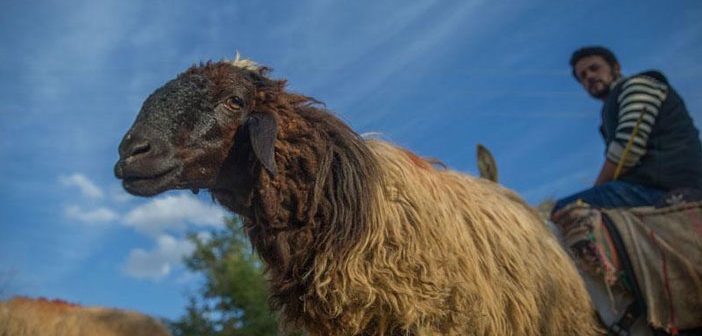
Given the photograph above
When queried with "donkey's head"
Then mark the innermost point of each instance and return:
(187, 128)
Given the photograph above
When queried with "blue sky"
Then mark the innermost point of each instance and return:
(434, 76)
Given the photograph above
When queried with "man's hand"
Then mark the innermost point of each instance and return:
(606, 173)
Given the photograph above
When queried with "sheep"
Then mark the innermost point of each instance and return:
(360, 237)
(23, 316)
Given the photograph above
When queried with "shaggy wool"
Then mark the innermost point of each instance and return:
(449, 254)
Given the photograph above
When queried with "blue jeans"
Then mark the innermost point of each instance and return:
(614, 194)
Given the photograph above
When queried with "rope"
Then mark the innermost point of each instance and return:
(620, 165)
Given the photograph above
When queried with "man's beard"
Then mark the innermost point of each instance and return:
(606, 87)
(603, 93)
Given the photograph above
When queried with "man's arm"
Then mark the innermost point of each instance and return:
(607, 172)
(639, 103)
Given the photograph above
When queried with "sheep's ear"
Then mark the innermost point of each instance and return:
(263, 129)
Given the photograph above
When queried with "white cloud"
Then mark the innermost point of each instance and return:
(174, 212)
(160, 262)
(204, 236)
(99, 215)
(86, 186)
(118, 195)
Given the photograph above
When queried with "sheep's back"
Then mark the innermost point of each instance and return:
(467, 256)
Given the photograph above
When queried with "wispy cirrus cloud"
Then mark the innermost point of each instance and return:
(559, 186)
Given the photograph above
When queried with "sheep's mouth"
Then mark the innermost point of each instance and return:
(150, 184)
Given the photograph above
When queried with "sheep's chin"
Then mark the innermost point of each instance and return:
(151, 186)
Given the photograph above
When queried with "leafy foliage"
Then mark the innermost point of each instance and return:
(232, 300)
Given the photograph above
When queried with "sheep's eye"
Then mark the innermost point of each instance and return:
(234, 103)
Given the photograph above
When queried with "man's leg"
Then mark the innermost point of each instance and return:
(613, 195)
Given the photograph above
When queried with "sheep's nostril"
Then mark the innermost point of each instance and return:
(139, 149)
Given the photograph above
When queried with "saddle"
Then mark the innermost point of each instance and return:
(650, 254)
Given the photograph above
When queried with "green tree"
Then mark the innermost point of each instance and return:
(232, 300)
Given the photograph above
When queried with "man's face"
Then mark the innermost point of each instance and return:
(596, 75)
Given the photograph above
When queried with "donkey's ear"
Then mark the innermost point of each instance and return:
(263, 129)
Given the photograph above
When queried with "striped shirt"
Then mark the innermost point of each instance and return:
(665, 151)
(639, 103)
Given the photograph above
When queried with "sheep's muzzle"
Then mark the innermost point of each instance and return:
(146, 166)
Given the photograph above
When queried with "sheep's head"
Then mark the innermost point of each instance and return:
(187, 128)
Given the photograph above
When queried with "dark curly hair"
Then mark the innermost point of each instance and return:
(583, 52)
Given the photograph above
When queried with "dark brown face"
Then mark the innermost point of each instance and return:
(186, 129)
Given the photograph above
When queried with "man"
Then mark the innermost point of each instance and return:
(652, 146)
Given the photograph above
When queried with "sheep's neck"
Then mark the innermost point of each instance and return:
(317, 204)
(284, 208)
(235, 182)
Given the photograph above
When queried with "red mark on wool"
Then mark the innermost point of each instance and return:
(417, 160)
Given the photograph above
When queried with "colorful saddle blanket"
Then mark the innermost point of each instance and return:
(664, 250)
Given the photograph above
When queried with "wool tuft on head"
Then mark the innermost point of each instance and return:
(246, 64)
